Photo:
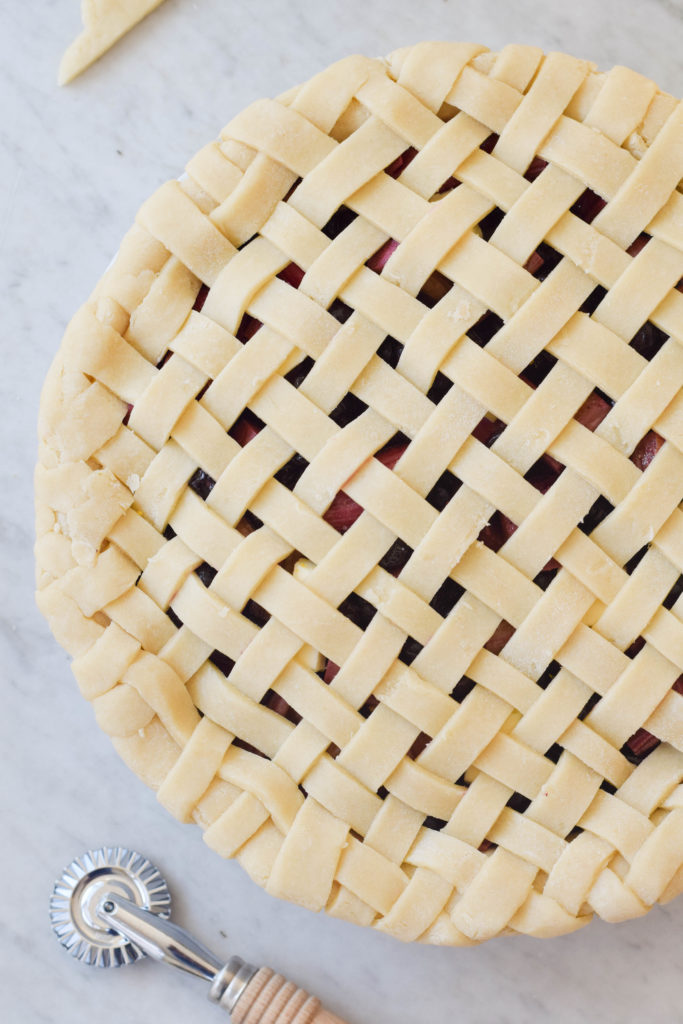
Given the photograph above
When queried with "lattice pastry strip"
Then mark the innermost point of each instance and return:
(359, 487)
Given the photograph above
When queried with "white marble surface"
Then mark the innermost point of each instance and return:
(74, 166)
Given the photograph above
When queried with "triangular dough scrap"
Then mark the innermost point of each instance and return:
(104, 22)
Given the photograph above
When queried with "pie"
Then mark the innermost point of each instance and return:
(104, 22)
(359, 489)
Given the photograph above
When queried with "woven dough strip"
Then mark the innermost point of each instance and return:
(359, 487)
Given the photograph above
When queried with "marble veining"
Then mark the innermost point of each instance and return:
(74, 166)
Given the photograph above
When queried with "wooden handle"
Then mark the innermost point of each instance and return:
(271, 999)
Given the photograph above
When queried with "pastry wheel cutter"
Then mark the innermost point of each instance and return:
(112, 906)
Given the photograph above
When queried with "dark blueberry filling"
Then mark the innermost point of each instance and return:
(358, 610)
(485, 328)
(202, 484)
(409, 652)
(338, 221)
(396, 557)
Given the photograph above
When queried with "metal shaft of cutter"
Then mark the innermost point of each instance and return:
(159, 939)
(166, 942)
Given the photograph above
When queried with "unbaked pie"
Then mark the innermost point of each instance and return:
(359, 486)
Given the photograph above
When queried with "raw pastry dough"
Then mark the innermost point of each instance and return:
(104, 22)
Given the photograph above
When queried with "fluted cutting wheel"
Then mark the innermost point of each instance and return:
(79, 891)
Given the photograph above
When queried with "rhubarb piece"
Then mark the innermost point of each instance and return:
(646, 449)
(378, 261)
(593, 411)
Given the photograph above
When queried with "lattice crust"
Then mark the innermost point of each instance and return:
(371, 564)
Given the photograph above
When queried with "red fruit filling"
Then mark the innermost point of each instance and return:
(588, 206)
(497, 531)
(244, 428)
(534, 263)
(544, 473)
(487, 431)
(277, 703)
(646, 449)
(201, 298)
(330, 671)
(418, 745)
(292, 275)
(248, 328)
(378, 260)
(593, 411)
(642, 743)
(489, 143)
(343, 512)
(639, 244)
(448, 185)
(500, 637)
(400, 163)
(537, 165)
